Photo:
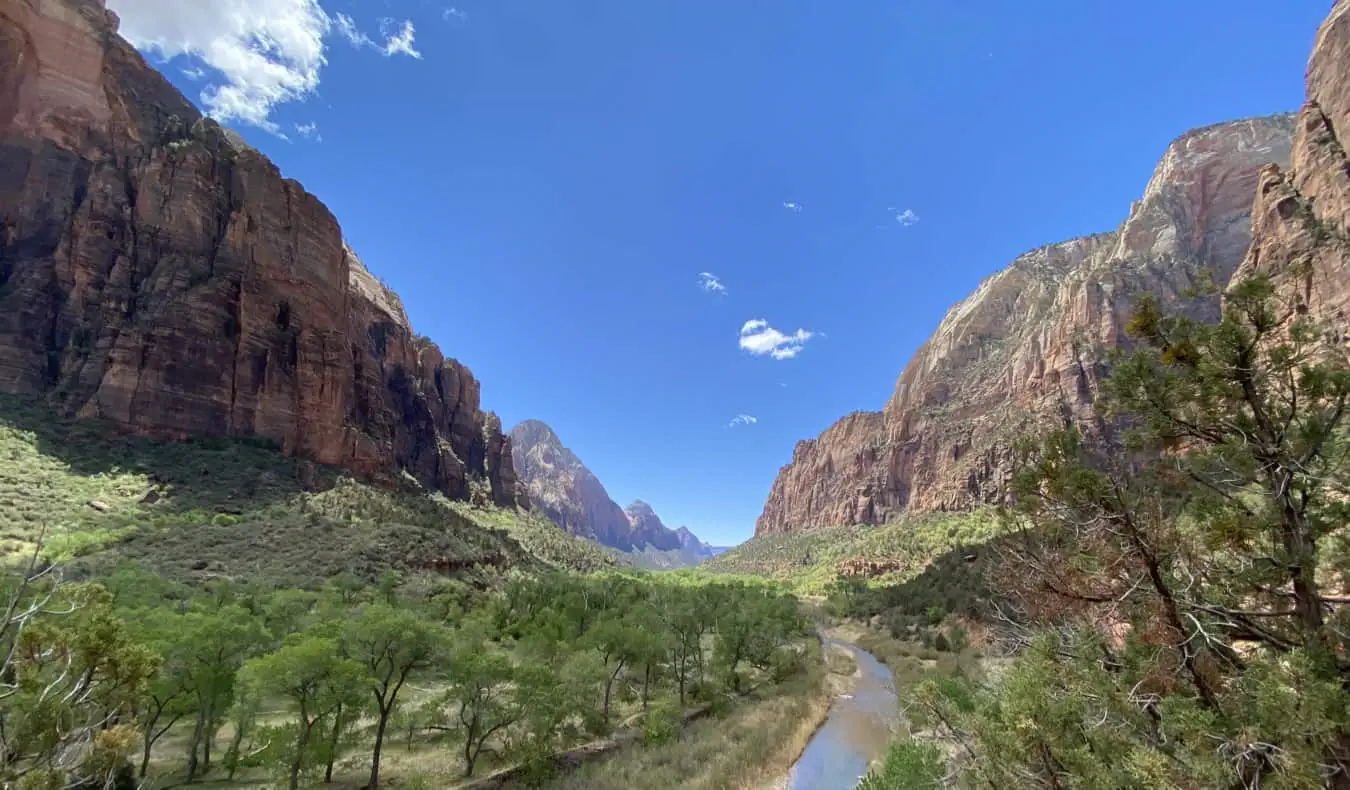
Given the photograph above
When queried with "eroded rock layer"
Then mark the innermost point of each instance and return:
(156, 272)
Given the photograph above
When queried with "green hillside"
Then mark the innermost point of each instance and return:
(809, 561)
(240, 509)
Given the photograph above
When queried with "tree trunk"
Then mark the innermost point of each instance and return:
(194, 745)
(236, 748)
(646, 685)
(374, 783)
(145, 752)
(299, 762)
(332, 746)
(609, 688)
(470, 754)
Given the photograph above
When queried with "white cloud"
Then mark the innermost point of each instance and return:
(309, 131)
(400, 42)
(346, 27)
(453, 13)
(760, 339)
(268, 52)
(742, 419)
(711, 283)
(795, 208)
(906, 217)
(260, 53)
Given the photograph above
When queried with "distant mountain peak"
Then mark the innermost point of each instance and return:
(561, 486)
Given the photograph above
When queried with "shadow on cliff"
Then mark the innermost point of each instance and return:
(212, 508)
(225, 476)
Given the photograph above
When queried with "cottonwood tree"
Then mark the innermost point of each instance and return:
(215, 643)
(392, 645)
(481, 694)
(317, 682)
(168, 696)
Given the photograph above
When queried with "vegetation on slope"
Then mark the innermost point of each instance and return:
(810, 561)
(240, 509)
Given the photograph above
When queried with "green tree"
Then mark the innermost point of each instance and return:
(168, 697)
(480, 693)
(688, 618)
(215, 644)
(71, 673)
(1172, 579)
(316, 680)
(908, 766)
(392, 644)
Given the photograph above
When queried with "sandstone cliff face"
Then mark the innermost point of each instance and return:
(1029, 343)
(156, 272)
(1301, 219)
(567, 492)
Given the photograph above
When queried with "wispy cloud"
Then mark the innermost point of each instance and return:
(742, 419)
(346, 27)
(760, 339)
(194, 74)
(711, 283)
(793, 206)
(905, 217)
(309, 131)
(398, 38)
(453, 13)
(401, 41)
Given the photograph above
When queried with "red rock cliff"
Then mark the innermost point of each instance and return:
(157, 272)
(1301, 220)
(1028, 344)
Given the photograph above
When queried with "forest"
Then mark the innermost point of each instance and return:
(109, 684)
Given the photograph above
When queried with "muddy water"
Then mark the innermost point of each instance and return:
(856, 732)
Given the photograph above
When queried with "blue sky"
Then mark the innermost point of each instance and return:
(544, 181)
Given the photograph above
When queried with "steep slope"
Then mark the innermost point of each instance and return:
(1029, 343)
(157, 273)
(1301, 219)
(561, 486)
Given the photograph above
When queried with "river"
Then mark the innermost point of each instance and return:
(856, 732)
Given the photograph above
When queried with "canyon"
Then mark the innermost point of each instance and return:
(1029, 347)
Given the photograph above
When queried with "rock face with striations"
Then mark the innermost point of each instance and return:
(1029, 343)
(1301, 220)
(156, 272)
(567, 492)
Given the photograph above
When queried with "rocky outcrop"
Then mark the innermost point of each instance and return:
(156, 272)
(1029, 345)
(647, 528)
(561, 486)
(1301, 219)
